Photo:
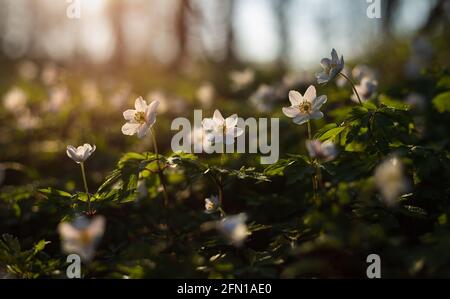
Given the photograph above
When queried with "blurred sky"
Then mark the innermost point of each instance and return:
(314, 27)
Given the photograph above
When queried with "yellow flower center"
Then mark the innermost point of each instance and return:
(140, 117)
(305, 107)
(85, 238)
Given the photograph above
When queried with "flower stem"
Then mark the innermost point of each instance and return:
(353, 87)
(86, 189)
(160, 174)
(220, 183)
(314, 178)
(309, 130)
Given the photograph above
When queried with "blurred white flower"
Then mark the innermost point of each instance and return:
(292, 80)
(81, 153)
(91, 94)
(361, 71)
(416, 101)
(341, 81)
(121, 95)
(27, 70)
(212, 204)
(206, 94)
(82, 237)
(241, 79)
(366, 89)
(50, 74)
(58, 97)
(217, 128)
(15, 100)
(140, 119)
(325, 151)
(263, 98)
(331, 68)
(390, 180)
(304, 107)
(27, 121)
(234, 228)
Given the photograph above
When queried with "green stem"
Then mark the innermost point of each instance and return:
(314, 178)
(160, 174)
(309, 130)
(220, 183)
(353, 87)
(86, 189)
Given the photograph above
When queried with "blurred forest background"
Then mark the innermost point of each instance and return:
(177, 33)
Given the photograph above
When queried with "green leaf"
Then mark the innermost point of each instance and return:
(331, 134)
(442, 102)
(55, 192)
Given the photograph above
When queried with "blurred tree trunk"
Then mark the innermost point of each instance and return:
(388, 17)
(229, 16)
(182, 31)
(116, 9)
(283, 33)
(436, 16)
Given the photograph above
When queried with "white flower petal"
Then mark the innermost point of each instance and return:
(129, 114)
(231, 121)
(140, 104)
(318, 102)
(316, 115)
(322, 78)
(291, 111)
(151, 108)
(334, 56)
(326, 63)
(151, 119)
(310, 94)
(130, 128)
(295, 98)
(208, 124)
(142, 130)
(72, 153)
(218, 118)
(301, 118)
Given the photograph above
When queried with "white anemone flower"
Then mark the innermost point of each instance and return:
(217, 128)
(304, 107)
(366, 89)
(15, 100)
(140, 119)
(325, 151)
(82, 237)
(27, 121)
(234, 228)
(391, 181)
(360, 71)
(81, 153)
(206, 94)
(331, 68)
(242, 79)
(263, 98)
(212, 204)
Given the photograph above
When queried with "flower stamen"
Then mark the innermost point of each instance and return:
(140, 117)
